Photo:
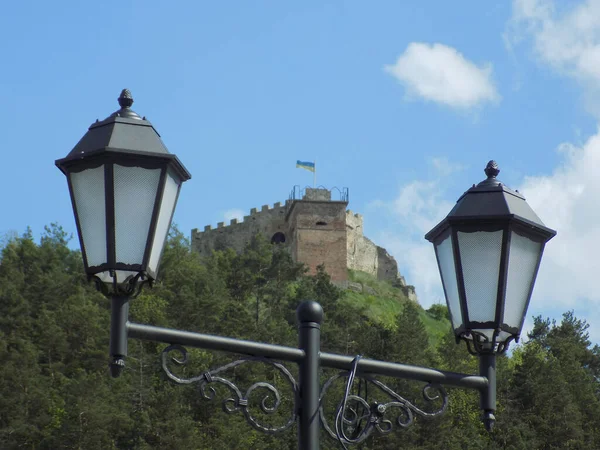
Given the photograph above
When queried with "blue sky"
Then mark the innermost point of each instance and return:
(402, 102)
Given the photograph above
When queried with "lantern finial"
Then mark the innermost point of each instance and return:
(492, 170)
(125, 102)
(125, 99)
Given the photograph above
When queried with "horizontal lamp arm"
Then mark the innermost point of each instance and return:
(210, 342)
(331, 360)
(404, 371)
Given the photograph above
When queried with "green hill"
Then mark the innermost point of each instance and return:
(383, 303)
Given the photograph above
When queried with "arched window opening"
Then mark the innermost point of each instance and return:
(278, 238)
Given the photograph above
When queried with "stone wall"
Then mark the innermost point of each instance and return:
(317, 194)
(387, 267)
(315, 229)
(364, 255)
(266, 221)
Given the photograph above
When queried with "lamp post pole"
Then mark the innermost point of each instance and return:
(124, 186)
(119, 314)
(487, 369)
(310, 316)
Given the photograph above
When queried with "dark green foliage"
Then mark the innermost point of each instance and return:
(439, 312)
(56, 392)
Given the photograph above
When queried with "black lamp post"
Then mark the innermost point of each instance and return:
(124, 186)
(488, 250)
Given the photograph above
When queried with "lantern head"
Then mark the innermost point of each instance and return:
(488, 250)
(124, 186)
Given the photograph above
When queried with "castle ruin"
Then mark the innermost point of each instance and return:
(316, 230)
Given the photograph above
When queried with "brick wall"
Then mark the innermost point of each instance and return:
(318, 230)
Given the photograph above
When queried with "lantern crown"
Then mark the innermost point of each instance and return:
(491, 200)
(123, 132)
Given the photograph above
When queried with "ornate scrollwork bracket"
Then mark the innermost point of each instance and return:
(362, 417)
(239, 401)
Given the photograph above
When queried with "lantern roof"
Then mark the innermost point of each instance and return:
(492, 201)
(123, 132)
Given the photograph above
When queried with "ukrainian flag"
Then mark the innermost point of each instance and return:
(306, 165)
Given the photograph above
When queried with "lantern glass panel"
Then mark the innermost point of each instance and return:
(480, 254)
(135, 196)
(167, 207)
(522, 262)
(445, 256)
(89, 198)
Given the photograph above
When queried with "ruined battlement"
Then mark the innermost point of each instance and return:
(266, 220)
(354, 221)
(314, 228)
(255, 214)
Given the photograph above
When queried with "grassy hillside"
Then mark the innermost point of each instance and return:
(384, 302)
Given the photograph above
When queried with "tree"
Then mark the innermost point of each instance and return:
(56, 393)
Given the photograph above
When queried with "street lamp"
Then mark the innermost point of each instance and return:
(124, 186)
(488, 250)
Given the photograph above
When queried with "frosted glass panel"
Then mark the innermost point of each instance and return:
(522, 261)
(135, 194)
(88, 193)
(164, 220)
(480, 258)
(447, 270)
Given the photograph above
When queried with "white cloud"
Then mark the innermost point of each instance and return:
(568, 41)
(445, 167)
(443, 75)
(233, 214)
(418, 204)
(567, 200)
(417, 208)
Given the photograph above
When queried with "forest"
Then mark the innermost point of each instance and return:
(56, 391)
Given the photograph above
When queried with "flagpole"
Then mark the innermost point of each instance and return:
(315, 174)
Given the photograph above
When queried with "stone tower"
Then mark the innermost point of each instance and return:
(317, 231)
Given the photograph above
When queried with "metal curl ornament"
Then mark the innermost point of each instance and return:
(479, 344)
(131, 287)
(239, 401)
(375, 413)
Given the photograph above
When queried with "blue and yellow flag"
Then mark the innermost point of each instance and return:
(306, 165)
